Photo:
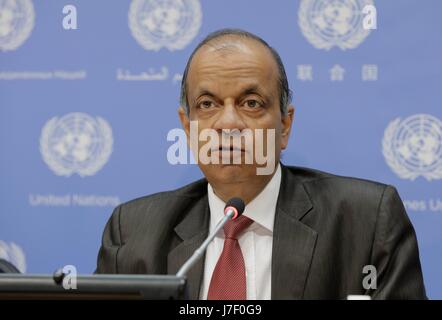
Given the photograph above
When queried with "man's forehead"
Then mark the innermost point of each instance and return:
(221, 80)
(232, 59)
(229, 44)
(231, 48)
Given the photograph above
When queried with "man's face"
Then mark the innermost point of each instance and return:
(233, 85)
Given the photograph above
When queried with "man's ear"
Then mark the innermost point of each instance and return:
(185, 121)
(287, 121)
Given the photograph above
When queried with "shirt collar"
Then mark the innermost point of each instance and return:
(261, 209)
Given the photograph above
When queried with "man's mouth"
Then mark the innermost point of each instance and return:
(228, 149)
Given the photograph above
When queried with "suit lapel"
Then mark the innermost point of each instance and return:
(293, 241)
(192, 231)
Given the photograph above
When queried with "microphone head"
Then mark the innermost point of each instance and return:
(235, 204)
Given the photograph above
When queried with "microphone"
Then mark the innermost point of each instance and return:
(233, 209)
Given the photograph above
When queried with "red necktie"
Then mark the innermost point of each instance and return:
(229, 277)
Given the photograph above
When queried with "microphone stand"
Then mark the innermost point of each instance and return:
(200, 251)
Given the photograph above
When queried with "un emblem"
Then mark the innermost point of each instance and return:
(329, 23)
(413, 147)
(14, 254)
(164, 23)
(76, 143)
(16, 23)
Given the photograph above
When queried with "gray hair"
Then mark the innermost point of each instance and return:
(285, 94)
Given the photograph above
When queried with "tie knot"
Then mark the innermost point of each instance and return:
(233, 228)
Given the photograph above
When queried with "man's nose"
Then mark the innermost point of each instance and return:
(229, 118)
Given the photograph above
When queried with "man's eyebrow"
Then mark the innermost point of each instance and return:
(205, 92)
(251, 89)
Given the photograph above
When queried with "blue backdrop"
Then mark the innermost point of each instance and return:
(88, 95)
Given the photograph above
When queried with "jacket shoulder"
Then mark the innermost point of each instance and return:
(190, 191)
(341, 195)
(318, 178)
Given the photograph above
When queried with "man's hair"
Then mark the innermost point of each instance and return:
(285, 94)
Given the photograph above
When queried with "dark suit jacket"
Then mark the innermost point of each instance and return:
(327, 228)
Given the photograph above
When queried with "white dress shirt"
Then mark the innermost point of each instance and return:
(256, 241)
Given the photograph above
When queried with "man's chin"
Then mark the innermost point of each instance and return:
(229, 173)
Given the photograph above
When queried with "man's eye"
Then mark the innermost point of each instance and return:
(253, 104)
(206, 104)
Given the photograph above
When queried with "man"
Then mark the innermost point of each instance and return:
(304, 234)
